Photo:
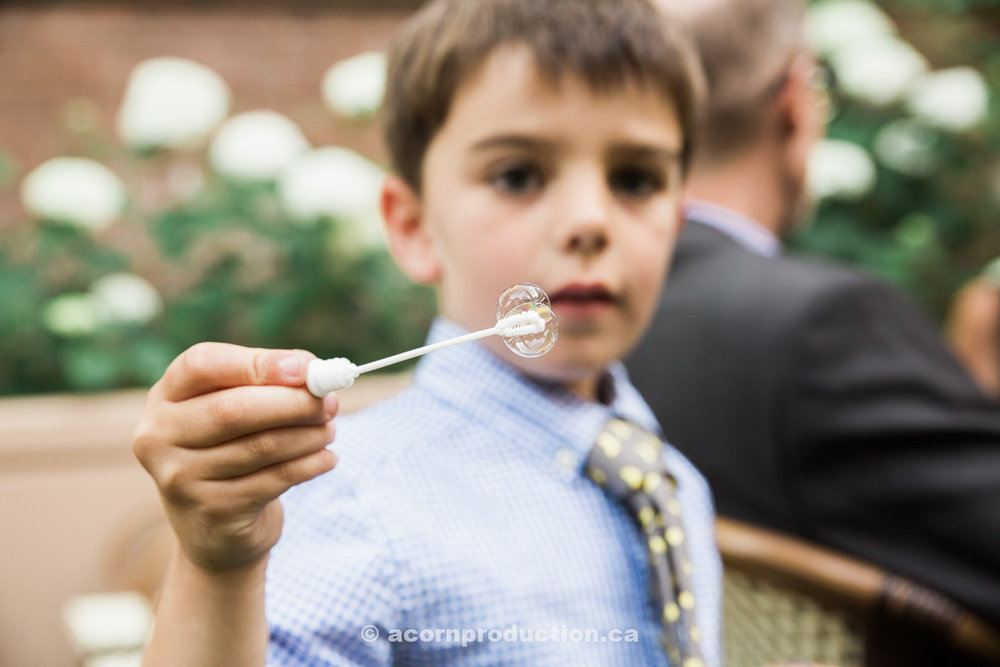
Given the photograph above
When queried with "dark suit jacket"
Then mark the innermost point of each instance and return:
(821, 402)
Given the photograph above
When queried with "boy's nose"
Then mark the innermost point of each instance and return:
(587, 211)
(588, 240)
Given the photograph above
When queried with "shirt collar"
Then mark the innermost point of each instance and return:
(484, 388)
(745, 231)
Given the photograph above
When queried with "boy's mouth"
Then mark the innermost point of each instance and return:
(580, 300)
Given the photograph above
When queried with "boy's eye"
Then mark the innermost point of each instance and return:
(517, 179)
(636, 181)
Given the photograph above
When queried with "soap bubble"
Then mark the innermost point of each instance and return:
(516, 295)
(529, 297)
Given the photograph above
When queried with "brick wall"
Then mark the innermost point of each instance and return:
(272, 55)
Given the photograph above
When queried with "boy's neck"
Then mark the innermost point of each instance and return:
(599, 388)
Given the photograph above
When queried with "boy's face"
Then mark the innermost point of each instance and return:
(573, 190)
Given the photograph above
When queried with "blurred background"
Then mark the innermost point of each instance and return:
(172, 172)
(176, 172)
(222, 187)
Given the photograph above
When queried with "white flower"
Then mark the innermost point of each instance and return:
(840, 169)
(338, 183)
(171, 103)
(354, 87)
(102, 624)
(71, 315)
(125, 298)
(953, 99)
(832, 24)
(79, 191)
(256, 145)
(906, 146)
(879, 70)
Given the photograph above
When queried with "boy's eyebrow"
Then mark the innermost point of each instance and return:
(514, 141)
(626, 150)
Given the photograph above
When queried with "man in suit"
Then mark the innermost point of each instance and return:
(817, 400)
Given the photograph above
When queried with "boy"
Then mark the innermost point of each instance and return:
(534, 140)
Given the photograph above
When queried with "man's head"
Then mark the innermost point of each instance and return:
(541, 141)
(762, 112)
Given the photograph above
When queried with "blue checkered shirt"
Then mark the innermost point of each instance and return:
(458, 528)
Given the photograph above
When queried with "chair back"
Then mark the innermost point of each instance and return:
(788, 599)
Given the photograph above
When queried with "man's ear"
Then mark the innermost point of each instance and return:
(406, 233)
(802, 111)
(795, 97)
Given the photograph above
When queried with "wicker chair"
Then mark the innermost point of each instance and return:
(786, 599)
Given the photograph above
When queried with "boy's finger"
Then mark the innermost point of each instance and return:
(251, 453)
(227, 414)
(267, 484)
(207, 367)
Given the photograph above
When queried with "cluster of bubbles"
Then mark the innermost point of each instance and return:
(522, 298)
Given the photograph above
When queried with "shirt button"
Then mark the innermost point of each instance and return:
(567, 460)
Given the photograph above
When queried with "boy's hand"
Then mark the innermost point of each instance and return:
(226, 431)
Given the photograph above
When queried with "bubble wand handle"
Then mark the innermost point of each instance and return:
(329, 375)
(420, 351)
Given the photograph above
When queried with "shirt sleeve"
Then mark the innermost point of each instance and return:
(332, 582)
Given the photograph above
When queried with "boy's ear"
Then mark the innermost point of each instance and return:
(406, 232)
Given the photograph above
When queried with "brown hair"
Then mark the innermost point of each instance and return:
(746, 48)
(610, 43)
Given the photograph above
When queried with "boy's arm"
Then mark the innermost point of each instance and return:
(225, 432)
(205, 618)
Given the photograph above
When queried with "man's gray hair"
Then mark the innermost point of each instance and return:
(746, 47)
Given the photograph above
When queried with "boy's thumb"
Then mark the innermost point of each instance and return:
(289, 367)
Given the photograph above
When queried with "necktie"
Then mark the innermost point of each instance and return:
(627, 463)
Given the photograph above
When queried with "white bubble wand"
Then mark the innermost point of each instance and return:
(525, 321)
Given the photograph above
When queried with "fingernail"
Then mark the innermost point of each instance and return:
(331, 404)
(291, 366)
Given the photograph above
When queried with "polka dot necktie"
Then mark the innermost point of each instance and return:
(627, 463)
